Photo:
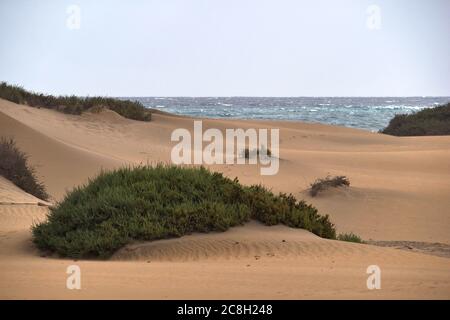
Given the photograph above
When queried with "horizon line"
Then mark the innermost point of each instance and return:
(238, 96)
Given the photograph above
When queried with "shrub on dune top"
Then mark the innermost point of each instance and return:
(73, 104)
(350, 237)
(149, 203)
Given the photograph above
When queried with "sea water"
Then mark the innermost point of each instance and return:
(365, 113)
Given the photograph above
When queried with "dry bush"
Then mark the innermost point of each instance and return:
(328, 182)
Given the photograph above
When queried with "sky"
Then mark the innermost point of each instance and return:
(227, 47)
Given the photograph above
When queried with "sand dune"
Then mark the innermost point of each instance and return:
(399, 191)
(253, 241)
(59, 165)
(18, 209)
(20, 217)
(13, 195)
(402, 181)
(303, 267)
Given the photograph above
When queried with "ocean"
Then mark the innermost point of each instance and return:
(365, 113)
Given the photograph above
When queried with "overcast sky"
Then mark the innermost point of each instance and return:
(227, 47)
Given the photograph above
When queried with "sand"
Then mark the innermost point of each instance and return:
(399, 192)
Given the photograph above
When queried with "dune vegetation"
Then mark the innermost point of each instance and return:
(349, 237)
(328, 182)
(72, 104)
(427, 122)
(14, 167)
(150, 203)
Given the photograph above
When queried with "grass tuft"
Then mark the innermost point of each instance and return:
(349, 237)
(328, 182)
(150, 203)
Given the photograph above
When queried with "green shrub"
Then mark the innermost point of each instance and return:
(149, 203)
(350, 237)
(323, 184)
(73, 104)
(14, 167)
(427, 122)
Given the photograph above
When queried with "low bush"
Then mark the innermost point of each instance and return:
(349, 237)
(73, 104)
(328, 182)
(149, 203)
(14, 167)
(427, 122)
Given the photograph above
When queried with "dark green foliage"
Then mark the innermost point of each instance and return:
(149, 203)
(427, 122)
(14, 167)
(323, 184)
(349, 237)
(285, 209)
(73, 104)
